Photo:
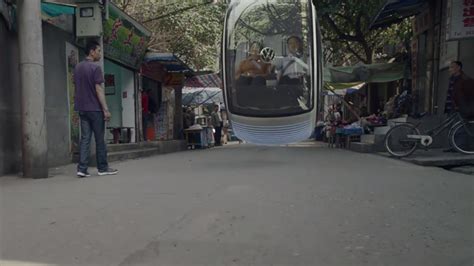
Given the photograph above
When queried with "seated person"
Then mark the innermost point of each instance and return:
(253, 70)
(291, 69)
(369, 122)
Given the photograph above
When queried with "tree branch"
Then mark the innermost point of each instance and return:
(346, 18)
(356, 54)
(177, 11)
(338, 31)
(123, 4)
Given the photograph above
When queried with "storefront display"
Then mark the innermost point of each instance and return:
(165, 118)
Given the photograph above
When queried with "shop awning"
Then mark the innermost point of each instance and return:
(169, 61)
(204, 81)
(59, 15)
(394, 11)
(56, 9)
(341, 88)
(49, 11)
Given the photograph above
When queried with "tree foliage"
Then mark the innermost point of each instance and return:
(345, 26)
(189, 29)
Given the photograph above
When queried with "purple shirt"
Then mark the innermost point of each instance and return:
(86, 75)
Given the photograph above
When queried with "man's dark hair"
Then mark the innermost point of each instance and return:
(457, 63)
(91, 46)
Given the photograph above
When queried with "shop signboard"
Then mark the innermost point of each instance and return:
(460, 20)
(153, 70)
(422, 22)
(174, 79)
(125, 40)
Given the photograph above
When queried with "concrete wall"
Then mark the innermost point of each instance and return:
(443, 81)
(466, 56)
(10, 127)
(56, 98)
(57, 106)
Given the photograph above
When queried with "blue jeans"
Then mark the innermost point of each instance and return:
(92, 122)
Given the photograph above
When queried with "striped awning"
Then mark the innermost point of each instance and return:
(204, 81)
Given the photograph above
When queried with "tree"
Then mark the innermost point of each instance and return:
(189, 29)
(346, 33)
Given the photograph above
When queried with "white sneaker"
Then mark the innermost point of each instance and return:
(83, 174)
(109, 171)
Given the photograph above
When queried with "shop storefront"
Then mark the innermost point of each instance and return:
(151, 98)
(443, 32)
(163, 78)
(120, 88)
(124, 47)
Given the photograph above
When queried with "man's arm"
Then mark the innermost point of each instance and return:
(99, 89)
(240, 69)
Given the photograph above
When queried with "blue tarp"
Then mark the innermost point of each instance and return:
(170, 61)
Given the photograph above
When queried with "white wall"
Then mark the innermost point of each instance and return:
(122, 103)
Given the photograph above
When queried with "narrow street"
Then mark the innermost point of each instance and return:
(242, 205)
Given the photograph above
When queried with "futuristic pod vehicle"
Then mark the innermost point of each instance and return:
(271, 69)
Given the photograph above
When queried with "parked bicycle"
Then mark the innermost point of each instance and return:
(403, 139)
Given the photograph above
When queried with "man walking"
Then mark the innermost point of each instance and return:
(90, 102)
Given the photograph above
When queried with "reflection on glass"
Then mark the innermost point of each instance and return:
(268, 58)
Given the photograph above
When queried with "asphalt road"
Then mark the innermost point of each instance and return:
(242, 205)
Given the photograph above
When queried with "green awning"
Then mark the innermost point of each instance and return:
(55, 9)
(341, 86)
(48, 10)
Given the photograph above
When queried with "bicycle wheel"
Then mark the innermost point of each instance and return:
(397, 142)
(462, 137)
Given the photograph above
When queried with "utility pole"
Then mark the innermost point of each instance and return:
(33, 116)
